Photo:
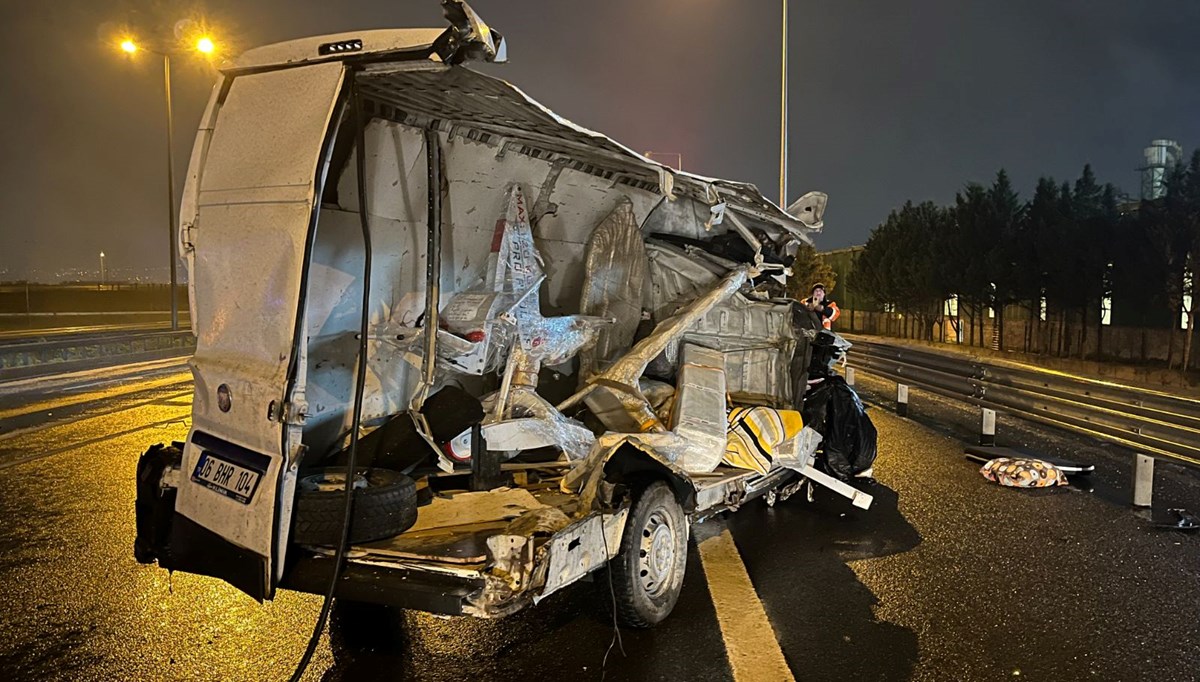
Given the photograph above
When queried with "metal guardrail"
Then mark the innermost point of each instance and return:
(41, 357)
(1149, 421)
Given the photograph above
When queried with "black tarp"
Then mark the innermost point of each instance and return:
(835, 411)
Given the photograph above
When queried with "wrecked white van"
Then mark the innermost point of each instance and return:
(454, 352)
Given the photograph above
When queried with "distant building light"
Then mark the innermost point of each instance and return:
(952, 306)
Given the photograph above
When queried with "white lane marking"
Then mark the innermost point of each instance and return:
(750, 641)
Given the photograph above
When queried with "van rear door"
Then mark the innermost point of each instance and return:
(255, 192)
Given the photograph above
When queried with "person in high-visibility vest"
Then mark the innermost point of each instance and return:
(825, 308)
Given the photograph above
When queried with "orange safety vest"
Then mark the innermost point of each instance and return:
(834, 313)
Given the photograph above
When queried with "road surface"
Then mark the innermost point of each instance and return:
(947, 577)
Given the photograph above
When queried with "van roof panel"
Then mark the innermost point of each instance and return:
(354, 43)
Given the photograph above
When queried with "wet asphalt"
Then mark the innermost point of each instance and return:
(947, 577)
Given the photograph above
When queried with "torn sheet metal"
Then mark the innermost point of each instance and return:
(618, 385)
(699, 410)
(758, 342)
(523, 403)
(810, 209)
(515, 436)
(514, 267)
(468, 37)
(756, 335)
(476, 101)
(506, 309)
(511, 560)
(585, 477)
(676, 278)
(614, 273)
(582, 548)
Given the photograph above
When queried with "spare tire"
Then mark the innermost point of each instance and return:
(385, 505)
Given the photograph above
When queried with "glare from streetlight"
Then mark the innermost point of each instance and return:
(129, 46)
(205, 45)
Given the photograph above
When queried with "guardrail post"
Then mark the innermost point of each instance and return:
(849, 376)
(987, 430)
(902, 400)
(1143, 481)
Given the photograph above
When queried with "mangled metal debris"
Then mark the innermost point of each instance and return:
(570, 348)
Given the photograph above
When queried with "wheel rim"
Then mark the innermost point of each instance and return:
(656, 563)
(331, 481)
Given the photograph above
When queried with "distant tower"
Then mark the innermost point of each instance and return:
(1160, 156)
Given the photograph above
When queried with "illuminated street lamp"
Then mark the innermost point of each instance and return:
(103, 272)
(205, 46)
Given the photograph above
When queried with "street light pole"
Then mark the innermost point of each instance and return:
(171, 191)
(783, 113)
(204, 45)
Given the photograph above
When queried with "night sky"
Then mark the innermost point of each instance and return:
(889, 101)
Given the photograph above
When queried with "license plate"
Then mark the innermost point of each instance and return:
(225, 477)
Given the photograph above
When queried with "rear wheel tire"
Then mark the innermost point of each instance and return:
(647, 572)
(154, 505)
(385, 505)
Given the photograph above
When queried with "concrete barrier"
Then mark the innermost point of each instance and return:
(88, 351)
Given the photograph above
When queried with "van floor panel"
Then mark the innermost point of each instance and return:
(465, 508)
(466, 544)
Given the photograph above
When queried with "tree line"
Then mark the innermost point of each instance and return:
(1058, 255)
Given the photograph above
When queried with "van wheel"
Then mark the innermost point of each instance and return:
(385, 505)
(647, 571)
(154, 505)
